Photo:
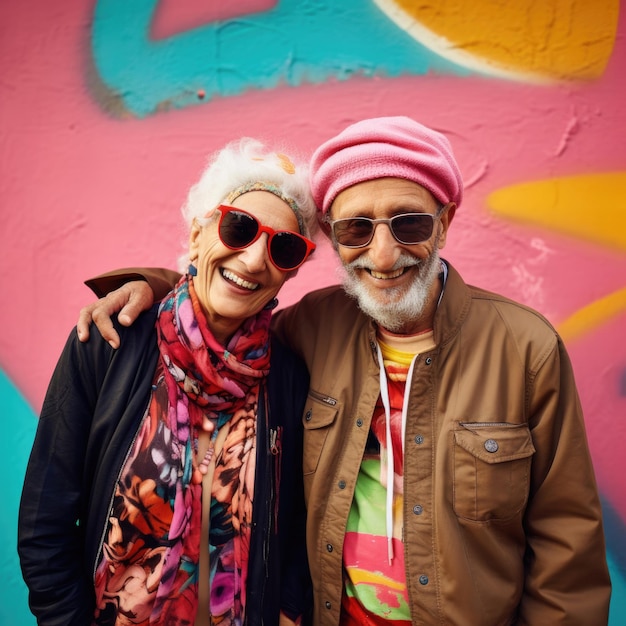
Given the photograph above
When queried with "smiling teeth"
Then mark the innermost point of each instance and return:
(387, 275)
(246, 284)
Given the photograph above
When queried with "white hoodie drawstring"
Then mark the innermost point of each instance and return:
(384, 395)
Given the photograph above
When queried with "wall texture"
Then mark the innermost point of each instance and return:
(108, 109)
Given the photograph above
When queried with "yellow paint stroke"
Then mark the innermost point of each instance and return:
(524, 39)
(589, 207)
(593, 315)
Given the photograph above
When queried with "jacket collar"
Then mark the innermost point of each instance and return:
(453, 307)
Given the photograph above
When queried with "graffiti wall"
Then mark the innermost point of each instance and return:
(109, 108)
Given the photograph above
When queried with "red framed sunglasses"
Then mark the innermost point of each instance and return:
(238, 229)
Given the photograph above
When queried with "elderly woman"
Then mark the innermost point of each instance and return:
(165, 484)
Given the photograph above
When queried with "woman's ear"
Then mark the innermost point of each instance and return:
(194, 239)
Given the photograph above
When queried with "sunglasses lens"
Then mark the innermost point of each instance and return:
(237, 230)
(287, 250)
(412, 228)
(353, 232)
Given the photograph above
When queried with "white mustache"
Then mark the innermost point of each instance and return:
(404, 260)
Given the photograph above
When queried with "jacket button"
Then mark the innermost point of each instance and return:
(428, 361)
(423, 580)
(419, 439)
(327, 604)
(418, 509)
(342, 484)
(329, 547)
(359, 422)
(308, 415)
(491, 445)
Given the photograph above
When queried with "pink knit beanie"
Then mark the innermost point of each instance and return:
(385, 146)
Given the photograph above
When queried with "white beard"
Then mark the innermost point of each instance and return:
(397, 307)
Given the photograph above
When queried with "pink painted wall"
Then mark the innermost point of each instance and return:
(97, 152)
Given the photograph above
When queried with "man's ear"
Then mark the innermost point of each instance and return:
(451, 212)
(445, 220)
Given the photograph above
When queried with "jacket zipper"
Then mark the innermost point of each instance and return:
(472, 424)
(275, 449)
(270, 435)
(112, 498)
(322, 398)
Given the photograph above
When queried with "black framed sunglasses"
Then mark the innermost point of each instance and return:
(407, 228)
(238, 229)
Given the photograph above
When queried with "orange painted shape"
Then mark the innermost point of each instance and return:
(593, 315)
(588, 207)
(523, 39)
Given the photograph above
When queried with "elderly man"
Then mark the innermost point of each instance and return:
(448, 478)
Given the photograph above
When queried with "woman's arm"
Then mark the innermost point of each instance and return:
(160, 280)
(296, 588)
(50, 528)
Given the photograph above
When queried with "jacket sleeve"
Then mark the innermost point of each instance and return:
(567, 579)
(50, 528)
(160, 280)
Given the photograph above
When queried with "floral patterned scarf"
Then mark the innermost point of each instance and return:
(148, 573)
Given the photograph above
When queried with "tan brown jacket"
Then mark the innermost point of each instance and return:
(502, 520)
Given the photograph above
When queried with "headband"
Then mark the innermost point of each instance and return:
(262, 186)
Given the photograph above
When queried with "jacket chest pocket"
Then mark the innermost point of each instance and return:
(319, 414)
(491, 470)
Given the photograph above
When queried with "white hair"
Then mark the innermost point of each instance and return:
(247, 161)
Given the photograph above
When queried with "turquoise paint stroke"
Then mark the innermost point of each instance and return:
(296, 42)
(617, 611)
(19, 425)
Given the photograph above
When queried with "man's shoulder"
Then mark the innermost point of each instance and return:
(480, 294)
(521, 320)
(462, 299)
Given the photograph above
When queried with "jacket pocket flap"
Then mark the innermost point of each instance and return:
(319, 411)
(495, 443)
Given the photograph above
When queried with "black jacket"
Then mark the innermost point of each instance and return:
(92, 410)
